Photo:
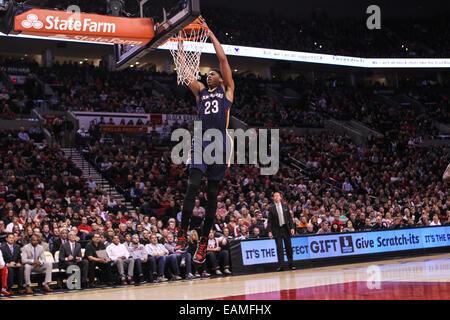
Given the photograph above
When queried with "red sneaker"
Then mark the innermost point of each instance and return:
(200, 253)
(5, 292)
(182, 239)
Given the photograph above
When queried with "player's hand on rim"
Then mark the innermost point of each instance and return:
(203, 23)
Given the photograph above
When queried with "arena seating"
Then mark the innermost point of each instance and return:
(315, 33)
(386, 182)
(319, 33)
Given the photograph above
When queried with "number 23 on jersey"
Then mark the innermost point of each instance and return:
(211, 107)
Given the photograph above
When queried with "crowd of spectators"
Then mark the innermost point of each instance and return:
(322, 34)
(433, 34)
(384, 180)
(436, 103)
(87, 88)
(254, 105)
(354, 189)
(259, 102)
(396, 121)
(392, 182)
(388, 180)
(44, 204)
(14, 102)
(19, 99)
(318, 32)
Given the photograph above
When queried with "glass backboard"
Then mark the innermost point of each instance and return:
(169, 16)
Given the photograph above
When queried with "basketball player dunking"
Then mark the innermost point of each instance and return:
(213, 105)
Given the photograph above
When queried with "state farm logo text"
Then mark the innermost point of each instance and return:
(70, 24)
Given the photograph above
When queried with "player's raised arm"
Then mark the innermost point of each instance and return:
(224, 65)
(196, 87)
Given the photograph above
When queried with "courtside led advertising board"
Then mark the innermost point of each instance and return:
(337, 245)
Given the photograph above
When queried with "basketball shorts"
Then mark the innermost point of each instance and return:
(213, 171)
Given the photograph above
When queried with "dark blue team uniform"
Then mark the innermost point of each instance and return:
(214, 113)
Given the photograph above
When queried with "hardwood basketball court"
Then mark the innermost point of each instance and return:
(425, 277)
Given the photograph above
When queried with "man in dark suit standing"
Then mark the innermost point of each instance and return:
(70, 254)
(11, 255)
(281, 227)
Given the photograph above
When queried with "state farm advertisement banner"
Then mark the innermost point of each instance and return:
(85, 27)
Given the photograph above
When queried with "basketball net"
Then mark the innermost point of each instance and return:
(187, 62)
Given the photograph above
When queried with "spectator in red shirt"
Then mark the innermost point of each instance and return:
(336, 220)
(237, 228)
(84, 229)
(232, 223)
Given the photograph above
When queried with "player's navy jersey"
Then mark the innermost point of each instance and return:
(213, 109)
(214, 113)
